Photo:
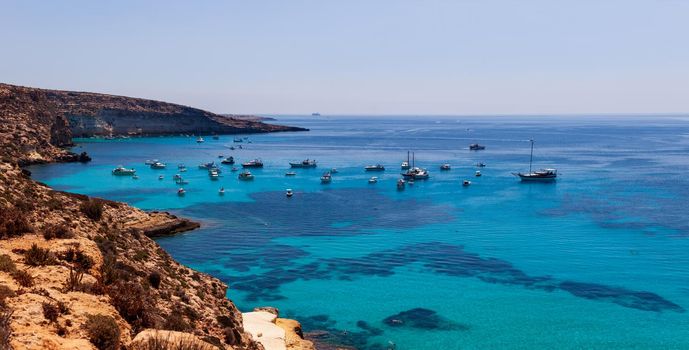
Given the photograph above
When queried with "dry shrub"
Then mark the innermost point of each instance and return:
(103, 332)
(133, 303)
(5, 292)
(74, 280)
(176, 322)
(165, 342)
(50, 311)
(36, 256)
(13, 223)
(60, 231)
(78, 258)
(23, 278)
(6, 264)
(154, 279)
(5, 330)
(92, 208)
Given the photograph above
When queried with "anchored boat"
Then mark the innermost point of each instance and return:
(542, 175)
(306, 163)
(122, 171)
(377, 167)
(256, 163)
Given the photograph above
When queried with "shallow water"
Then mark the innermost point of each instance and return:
(597, 260)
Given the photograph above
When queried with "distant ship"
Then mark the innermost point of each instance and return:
(315, 114)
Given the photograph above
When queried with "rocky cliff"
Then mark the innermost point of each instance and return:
(82, 273)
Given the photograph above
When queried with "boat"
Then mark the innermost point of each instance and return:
(228, 160)
(315, 114)
(289, 192)
(240, 146)
(183, 169)
(306, 163)
(477, 174)
(234, 169)
(181, 166)
(200, 139)
(161, 177)
(220, 156)
(256, 163)
(377, 167)
(476, 147)
(326, 178)
(237, 140)
(150, 162)
(214, 175)
(207, 165)
(333, 171)
(400, 184)
(416, 173)
(481, 165)
(232, 148)
(181, 181)
(405, 164)
(246, 176)
(373, 179)
(135, 177)
(181, 192)
(542, 175)
(290, 173)
(158, 165)
(176, 176)
(445, 167)
(466, 183)
(122, 171)
(221, 191)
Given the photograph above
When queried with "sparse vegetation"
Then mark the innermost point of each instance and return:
(59, 231)
(36, 256)
(92, 208)
(5, 330)
(74, 280)
(78, 258)
(50, 311)
(133, 303)
(6, 264)
(154, 279)
(165, 342)
(103, 332)
(23, 278)
(5, 292)
(13, 223)
(176, 322)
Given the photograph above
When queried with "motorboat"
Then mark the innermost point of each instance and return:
(122, 171)
(246, 176)
(290, 173)
(476, 147)
(200, 139)
(228, 160)
(158, 165)
(238, 140)
(373, 179)
(326, 178)
(477, 173)
(150, 162)
(256, 163)
(221, 191)
(377, 167)
(161, 177)
(213, 175)
(400, 184)
(207, 165)
(445, 167)
(466, 183)
(481, 165)
(333, 171)
(176, 177)
(306, 163)
(181, 192)
(543, 175)
(289, 192)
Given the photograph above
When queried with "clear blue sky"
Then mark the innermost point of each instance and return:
(359, 57)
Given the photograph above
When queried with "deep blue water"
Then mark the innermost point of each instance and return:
(599, 259)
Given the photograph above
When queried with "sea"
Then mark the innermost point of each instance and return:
(598, 259)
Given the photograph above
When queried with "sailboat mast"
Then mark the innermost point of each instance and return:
(531, 157)
(413, 160)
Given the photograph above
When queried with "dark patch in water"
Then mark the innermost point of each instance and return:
(628, 298)
(321, 329)
(368, 328)
(421, 318)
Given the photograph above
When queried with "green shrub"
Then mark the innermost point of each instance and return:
(36, 256)
(92, 208)
(57, 231)
(13, 223)
(103, 332)
(6, 264)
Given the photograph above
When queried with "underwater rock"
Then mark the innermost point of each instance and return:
(421, 318)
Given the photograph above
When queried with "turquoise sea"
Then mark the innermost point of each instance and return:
(597, 260)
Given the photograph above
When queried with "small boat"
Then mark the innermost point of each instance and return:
(150, 162)
(405, 164)
(238, 140)
(256, 163)
(220, 156)
(232, 148)
(306, 163)
(176, 177)
(122, 171)
(181, 192)
(221, 191)
(181, 181)
(543, 175)
(333, 171)
(158, 165)
(477, 174)
(183, 169)
(181, 166)
(466, 183)
(377, 167)
(214, 175)
(135, 177)
(400, 184)
(445, 167)
(228, 160)
(476, 147)
(315, 114)
(289, 192)
(161, 177)
(246, 176)
(234, 169)
(290, 173)
(373, 179)
(207, 165)
(200, 139)
(326, 178)
(481, 165)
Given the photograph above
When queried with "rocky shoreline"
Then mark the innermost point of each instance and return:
(83, 273)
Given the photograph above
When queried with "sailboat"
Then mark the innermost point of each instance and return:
(405, 165)
(414, 172)
(542, 175)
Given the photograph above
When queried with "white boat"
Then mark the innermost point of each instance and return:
(161, 177)
(400, 184)
(326, 178)
(416, 173)
(200, 139)
(229, 160)
(122, 171)
(377, 167)
(256, 163)
(158, 165)
(214, 175)
(477, 173)
(149, 162)
(445, 167)
(333, 171)
(405, 164)
(373, 179)
(289, 192)
(221, 191)
(543, 175)
(466, 183)
(246, 176)
(181, 192)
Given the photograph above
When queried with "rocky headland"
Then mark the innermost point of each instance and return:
(78, 272)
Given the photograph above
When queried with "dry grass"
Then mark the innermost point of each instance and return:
(166, 342)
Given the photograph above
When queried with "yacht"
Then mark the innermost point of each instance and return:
(373, 179)
(245, 176)
(416, 173)
(150, 162)
(306, 163)
(289, 192)
(543, 175)
(158, 165)
(228, 160)
(122, 171)
(477, 174)
(326, 178)
(476, 147)
(445, 167)
(214, 175)
(377, 167)
(256, 163)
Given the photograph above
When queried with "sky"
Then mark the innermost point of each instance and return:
(359, 57)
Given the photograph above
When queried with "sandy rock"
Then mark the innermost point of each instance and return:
(261, 325)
